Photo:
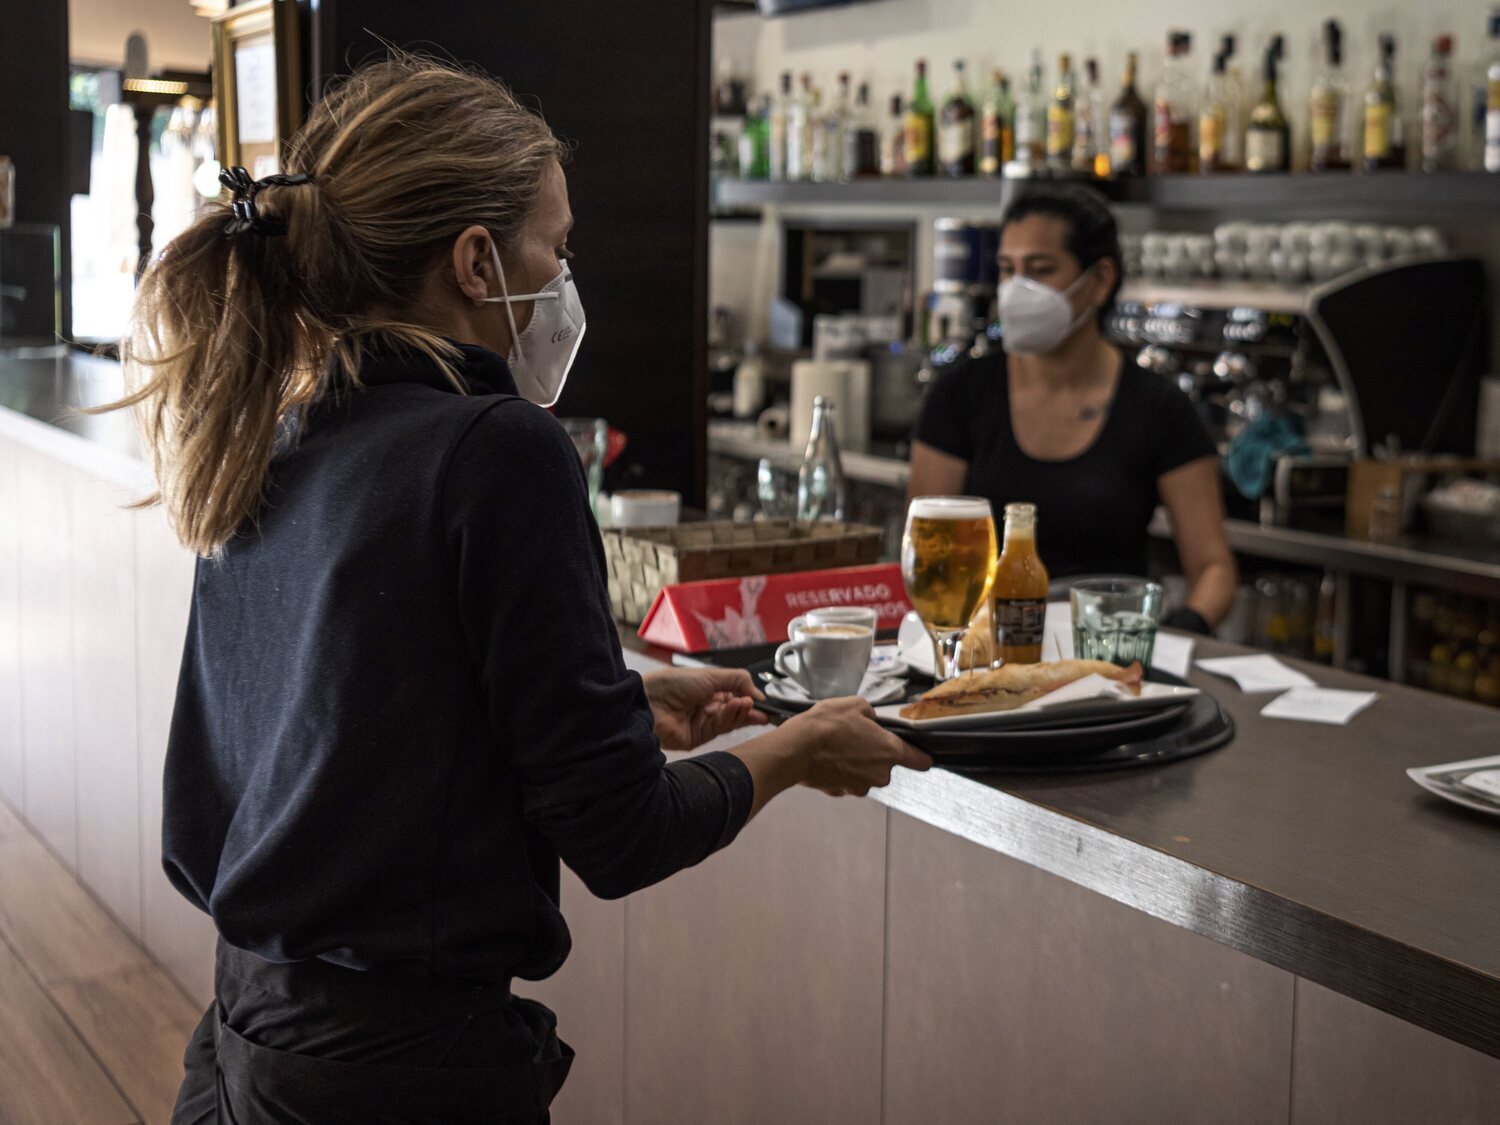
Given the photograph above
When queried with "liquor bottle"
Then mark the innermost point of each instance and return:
(919, 123)
(828, 141)
(1019, 592)
(1127, 127)
(1175, 109)
(1268, 140)
(1492, 98)
(1213, 118)
(1233, 145)
(1062, 116)
(755, 142)
(1031, 122)
(956, 135)
(1439, 109)
(820, 481)
(1089, 149)
(780, 112)
(861, 139)
(893, 141)
(799, 132)
(1385, 134)
(1327, 107)
(997, 132)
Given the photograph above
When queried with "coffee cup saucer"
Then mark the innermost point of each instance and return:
(876, 689)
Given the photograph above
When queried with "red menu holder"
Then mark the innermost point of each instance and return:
(736, 612)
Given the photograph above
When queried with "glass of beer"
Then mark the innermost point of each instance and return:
(948, 562)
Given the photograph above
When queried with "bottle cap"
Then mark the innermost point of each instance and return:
(1444, 44)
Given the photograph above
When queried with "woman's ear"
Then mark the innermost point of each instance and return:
(1106, 273)
(472, 264)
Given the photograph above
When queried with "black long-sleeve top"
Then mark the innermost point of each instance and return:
(402, 698)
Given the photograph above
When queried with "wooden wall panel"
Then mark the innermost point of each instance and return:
(1355, 1065)
(1014, 996)
(177, 934)
(46, 637)
(12, 756)
(104, 704)
(588, 995)
(752, 982)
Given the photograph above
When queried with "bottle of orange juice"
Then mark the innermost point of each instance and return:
(1019, 593)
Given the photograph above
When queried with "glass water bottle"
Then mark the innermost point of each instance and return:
(820, 482)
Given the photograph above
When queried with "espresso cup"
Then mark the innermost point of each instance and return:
(645, 507)
(835, 615)
(829, 661)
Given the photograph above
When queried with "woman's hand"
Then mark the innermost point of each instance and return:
(846, 751)
(696, 705)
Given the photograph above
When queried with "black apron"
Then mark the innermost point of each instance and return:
(312, 1043)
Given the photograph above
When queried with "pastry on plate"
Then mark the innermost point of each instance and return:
(1013, 685)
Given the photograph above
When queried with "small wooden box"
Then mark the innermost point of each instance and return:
(644, 559)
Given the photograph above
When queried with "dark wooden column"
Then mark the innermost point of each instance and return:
(34, 119)
(628, 84)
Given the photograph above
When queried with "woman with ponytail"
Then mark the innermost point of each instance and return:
(402, 700)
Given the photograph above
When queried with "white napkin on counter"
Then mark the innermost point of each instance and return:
(1319, 705)
(1256, 674)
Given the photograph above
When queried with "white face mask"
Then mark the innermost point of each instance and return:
(541, 356)
(1035, 318)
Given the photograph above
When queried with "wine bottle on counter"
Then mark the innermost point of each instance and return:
(1233, 147)
(1061, 116)
(780, 114)
(755, 142)
(1268, 140)
(828, 135)
(1327, 107)
(956, 135)
(893, 141)
(997, 132)
(820, 481)
(1175, 109)
(1385, 132)
(919, 155)
(1127, 127)
(1439, 109)
(799, 132)
(1031, 121)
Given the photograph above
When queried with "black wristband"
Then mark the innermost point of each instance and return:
(1188, 620)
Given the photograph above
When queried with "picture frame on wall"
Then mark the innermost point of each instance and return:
(257, 83)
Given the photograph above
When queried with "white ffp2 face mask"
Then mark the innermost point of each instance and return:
(541, 356)
(1036, 318)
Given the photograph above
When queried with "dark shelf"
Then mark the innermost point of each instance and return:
(1331, 195)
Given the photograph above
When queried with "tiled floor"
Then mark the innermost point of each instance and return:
(91, 1030)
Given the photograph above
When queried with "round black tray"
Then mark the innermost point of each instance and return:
(1164, 736)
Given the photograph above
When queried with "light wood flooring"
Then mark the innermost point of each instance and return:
(91, 1030)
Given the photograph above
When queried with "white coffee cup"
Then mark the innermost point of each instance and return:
(836, 615)
(829, 661)
(645, 507)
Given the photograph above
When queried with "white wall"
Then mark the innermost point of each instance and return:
(176, 37)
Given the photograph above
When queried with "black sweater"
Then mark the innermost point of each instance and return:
(402, 697)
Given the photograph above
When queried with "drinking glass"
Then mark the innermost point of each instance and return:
(1115, 619)
(774, 490)
(948, 560)
(591, 440)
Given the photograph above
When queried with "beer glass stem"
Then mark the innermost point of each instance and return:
(945, 647)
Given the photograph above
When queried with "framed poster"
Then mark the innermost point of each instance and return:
(257, 83)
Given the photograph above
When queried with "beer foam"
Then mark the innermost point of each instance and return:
(950, 508)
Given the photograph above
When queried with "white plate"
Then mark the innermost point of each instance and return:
(1153, 697)
(875, 689)
(1444, 781)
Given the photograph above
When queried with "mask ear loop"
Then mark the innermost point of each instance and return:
(515, 337)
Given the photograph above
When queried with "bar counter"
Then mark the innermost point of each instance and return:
(1283, 930)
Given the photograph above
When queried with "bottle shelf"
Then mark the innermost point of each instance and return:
(1328, 195)
(1218, 294)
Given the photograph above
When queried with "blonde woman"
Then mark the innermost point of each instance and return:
(402, 699)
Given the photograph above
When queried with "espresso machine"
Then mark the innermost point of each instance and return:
(1378, 361)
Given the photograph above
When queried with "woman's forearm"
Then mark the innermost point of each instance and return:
(1211, 594)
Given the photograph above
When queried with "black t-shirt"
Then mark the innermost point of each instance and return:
(1092, 510)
